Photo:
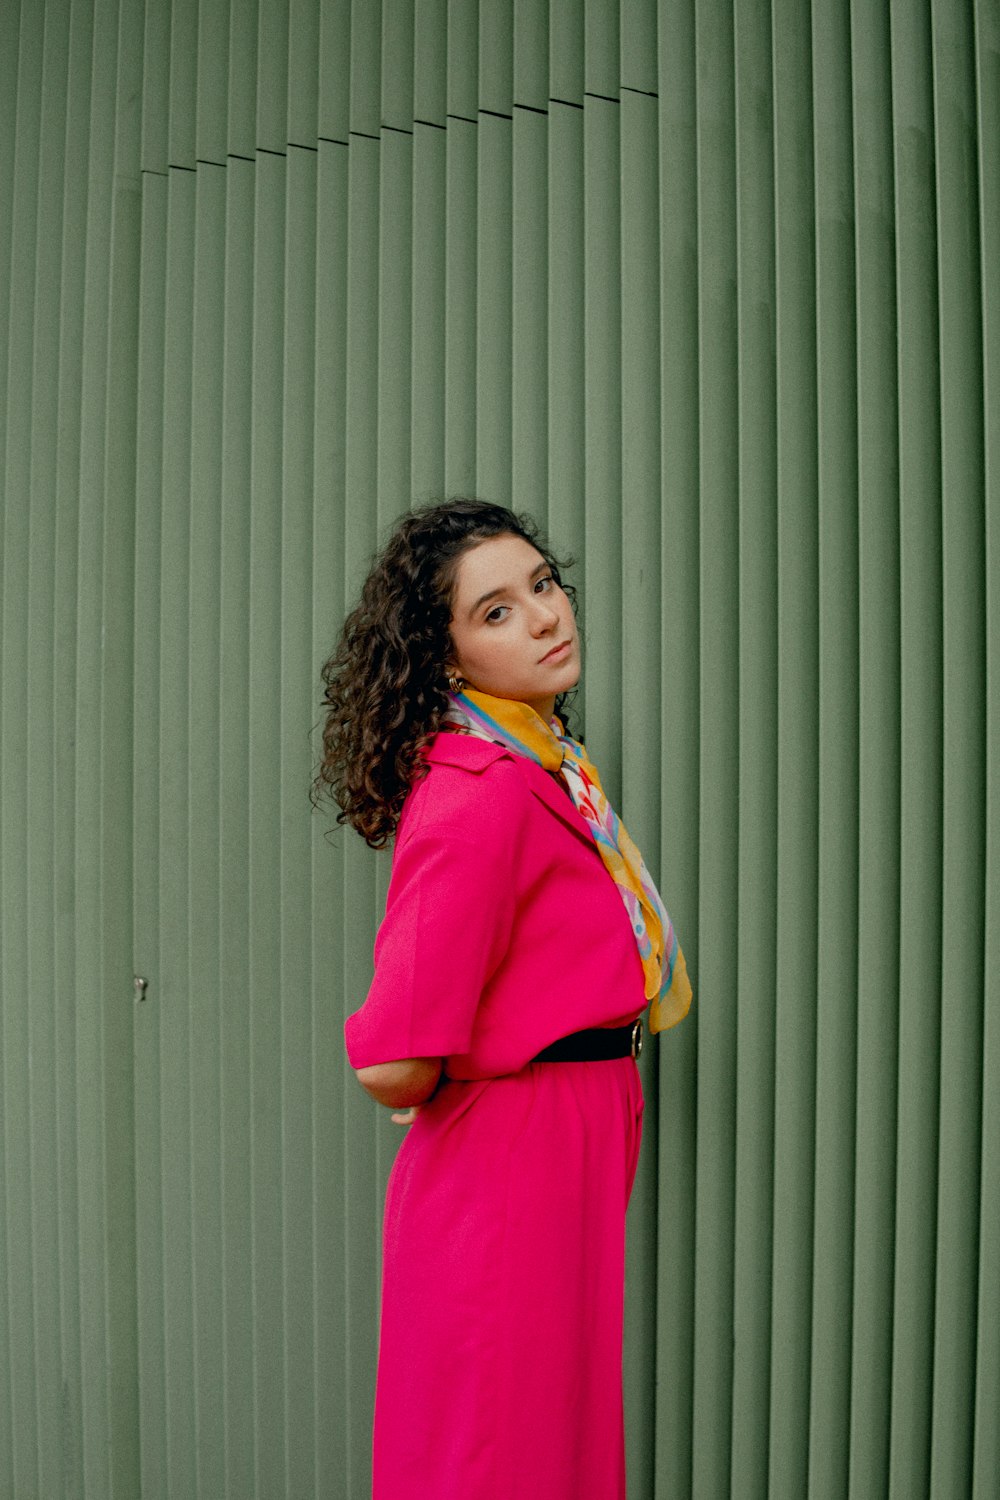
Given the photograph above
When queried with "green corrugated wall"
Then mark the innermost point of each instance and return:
(714, 290)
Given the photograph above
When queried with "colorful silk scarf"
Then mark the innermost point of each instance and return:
(520, 729)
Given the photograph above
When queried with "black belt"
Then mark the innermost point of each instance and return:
(597, 1044)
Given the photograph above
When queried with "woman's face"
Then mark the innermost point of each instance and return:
(508, 613)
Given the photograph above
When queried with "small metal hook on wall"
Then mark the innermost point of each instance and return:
(141, 986)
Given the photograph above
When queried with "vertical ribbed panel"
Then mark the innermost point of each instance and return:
(428, 330)
(713, 293)
(676, 1099)
(529, 416)
(565, 326)
(69, 252)
(753, 1164)
(460, 308)
(430, 65)
(234, 965)
(150, 403)
(207, 354)
(362, 1141)
(640, 639)
(170, 1143)
(600, 547)
(797, 669)
(838, 766)
(986, 1439)
(241, 80)
(395, 320)
(920, 742)
(878, 694)
(327, 577)
(718, 571)
(964, 745)
(296, 695)
(265, 812)
(531, 53)
(493, 308)
(29, 1398)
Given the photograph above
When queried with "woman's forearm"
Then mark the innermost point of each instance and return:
(411, 1080)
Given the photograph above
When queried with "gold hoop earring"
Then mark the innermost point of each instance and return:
(456, 684)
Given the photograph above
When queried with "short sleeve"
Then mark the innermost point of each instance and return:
(447, 925)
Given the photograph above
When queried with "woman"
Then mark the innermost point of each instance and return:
(521, 942)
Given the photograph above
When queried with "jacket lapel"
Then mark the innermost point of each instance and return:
(557, 801)
(474, 753)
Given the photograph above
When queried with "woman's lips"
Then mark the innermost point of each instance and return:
(557, 653)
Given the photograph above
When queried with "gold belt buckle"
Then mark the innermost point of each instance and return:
(637, 1037)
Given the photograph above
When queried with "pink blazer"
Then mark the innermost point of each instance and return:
(503, 930)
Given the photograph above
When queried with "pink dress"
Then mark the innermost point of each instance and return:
(500, 1345)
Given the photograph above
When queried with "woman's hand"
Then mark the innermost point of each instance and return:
(408, 1118)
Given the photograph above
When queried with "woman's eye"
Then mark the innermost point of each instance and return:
(492, 618)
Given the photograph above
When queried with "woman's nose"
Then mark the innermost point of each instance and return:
(545, 617)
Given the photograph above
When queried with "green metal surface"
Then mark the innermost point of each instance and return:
(530, 83)
(921, 768)
(878, 758)
(641, 647)
(327, 597)
(430, 62)
(303, 51)
(22, 1417)
(986, 1450)
(204, 707)
(565, 325)
(295, 695)
(185, 64)
(364, 36)
(279, 98)
(395, 322)
(493, 310)
(757, 792)
(529, 311)
(677, 1094)
(964, 745)
(427, 337)
(566, 51)
(398, 66)
(462, 53)
(716, 561)
(241, 78)
(496, 56)
(599, 549)
(170, 1141)
(460, 308)
(711, 290)
(211, 127)
(234, 961)
(830, 1372)
(146, 834)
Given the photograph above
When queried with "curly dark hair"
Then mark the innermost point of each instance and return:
(386, 688)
